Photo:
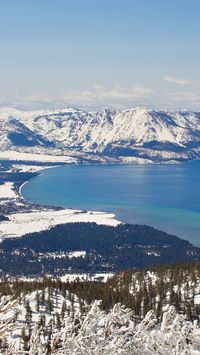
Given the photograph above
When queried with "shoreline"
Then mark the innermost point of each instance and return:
(170, 221)
(38, 173)
(27, 217)
(52, 215)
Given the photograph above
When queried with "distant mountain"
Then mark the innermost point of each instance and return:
(160, 136)
(14, 133)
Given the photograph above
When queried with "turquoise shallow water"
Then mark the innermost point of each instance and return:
(164, 196)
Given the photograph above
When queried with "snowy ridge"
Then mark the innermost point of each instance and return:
(15, 133)
(138, 133)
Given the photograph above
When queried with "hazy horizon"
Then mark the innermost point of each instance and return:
(100, 54)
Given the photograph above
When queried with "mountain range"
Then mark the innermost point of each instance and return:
(133, 135)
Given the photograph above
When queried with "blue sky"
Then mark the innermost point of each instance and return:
(94, 53)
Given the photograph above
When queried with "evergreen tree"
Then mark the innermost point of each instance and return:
(63, 309)
(58, 321)
(37, 299)
(49, 305)
(28, 315)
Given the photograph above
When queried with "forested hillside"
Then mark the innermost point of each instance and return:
(152, 311)
(91, 248)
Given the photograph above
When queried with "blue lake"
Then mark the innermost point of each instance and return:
(164, 196)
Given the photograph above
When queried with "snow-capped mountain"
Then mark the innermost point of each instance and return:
(14, 133)
(139, 132)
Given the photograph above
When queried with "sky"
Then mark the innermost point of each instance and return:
(100, 53)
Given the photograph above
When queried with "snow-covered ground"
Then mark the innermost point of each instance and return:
(38, 219)
(87, 277)
(143, 134)
(30, 168)
(46, 158)
(115, 333)
(69, 331)
(6, 190)
(35, 221)
(13, 317)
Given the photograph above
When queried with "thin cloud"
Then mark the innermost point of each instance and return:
(186, 96)
(174, 80)
(97, 96)
(99, 93)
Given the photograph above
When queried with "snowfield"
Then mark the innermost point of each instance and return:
(140, 135)
(30, 168)
(36, 221)
(6, 190)
(40, 218)
(14, 155)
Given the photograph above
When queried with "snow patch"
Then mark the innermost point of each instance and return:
(36, 221)
(6, 190)
(14, 155)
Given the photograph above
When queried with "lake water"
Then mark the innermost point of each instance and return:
(164, 196)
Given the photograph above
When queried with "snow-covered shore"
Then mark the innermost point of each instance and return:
(32, 157)
(42, 218)
(6, 190)
(36, 221)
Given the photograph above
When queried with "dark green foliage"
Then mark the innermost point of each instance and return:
(15, 177)
(28, 315)
(63, 309)
(107, 249)
(3, 218)
(139, 290)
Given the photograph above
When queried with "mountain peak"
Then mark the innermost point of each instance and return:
(139, 132)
